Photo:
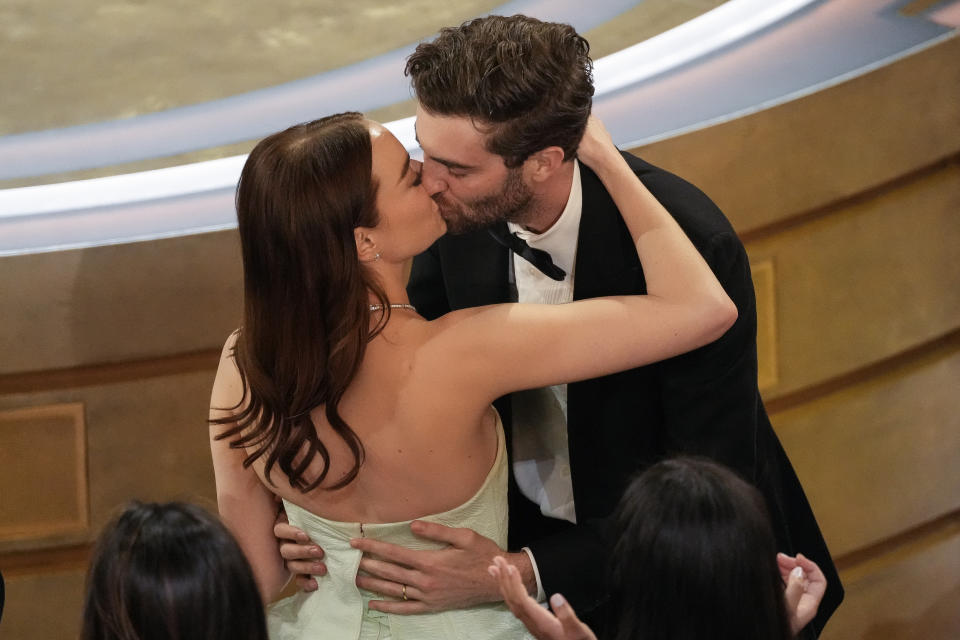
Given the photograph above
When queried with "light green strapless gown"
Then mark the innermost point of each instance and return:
(338, 610)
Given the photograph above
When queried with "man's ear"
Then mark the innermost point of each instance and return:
(542, 164)
(366, 247)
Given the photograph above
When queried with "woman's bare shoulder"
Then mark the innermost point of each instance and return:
(230, 343)
(448, 341)
(228, 385)
(453, 319)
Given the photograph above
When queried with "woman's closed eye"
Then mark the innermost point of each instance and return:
(417, 176)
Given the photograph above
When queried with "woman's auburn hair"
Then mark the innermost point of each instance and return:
(306, 314)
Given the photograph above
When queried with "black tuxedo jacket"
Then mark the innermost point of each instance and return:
(705, 402)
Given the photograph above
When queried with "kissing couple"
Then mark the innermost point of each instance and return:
(527, 363)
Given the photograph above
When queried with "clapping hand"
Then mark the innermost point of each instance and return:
(562, 624)
(805, 586)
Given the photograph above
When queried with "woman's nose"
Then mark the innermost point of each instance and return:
(432, 178)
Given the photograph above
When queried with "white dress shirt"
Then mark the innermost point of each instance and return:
(541, 455)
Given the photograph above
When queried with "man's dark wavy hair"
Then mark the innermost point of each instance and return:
(526, 83)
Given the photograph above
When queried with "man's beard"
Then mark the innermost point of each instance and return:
(511, 204)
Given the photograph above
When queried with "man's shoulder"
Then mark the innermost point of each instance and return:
(699, 216)
(648, 171)
(472, 244)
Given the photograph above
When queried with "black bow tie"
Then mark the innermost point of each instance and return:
(537, 257)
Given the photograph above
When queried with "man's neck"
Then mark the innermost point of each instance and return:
(550, 200)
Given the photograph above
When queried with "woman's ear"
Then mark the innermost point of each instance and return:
(544, 163)
(366, 247)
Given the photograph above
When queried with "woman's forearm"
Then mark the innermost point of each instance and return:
(673, 269)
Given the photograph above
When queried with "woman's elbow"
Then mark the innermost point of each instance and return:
(723, 315)
(272, 586)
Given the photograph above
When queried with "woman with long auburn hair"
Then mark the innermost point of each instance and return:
(337, 397)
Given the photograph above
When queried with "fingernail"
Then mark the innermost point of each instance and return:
(492, 570)
(557, 600)
(316, 552)
(797, 573)
(318, 568)
(302, 537)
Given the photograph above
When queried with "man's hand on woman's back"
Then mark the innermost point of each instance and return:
(302, 558)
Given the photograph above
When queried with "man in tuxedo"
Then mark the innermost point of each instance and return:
(499, 97)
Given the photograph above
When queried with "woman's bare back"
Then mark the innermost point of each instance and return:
(426, 449)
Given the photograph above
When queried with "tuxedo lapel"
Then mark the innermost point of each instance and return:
(607, 262)
(476, 270)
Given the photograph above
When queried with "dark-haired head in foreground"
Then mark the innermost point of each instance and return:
(165, 571)
(695, 558)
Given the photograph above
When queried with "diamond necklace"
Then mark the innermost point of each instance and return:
(379, 307)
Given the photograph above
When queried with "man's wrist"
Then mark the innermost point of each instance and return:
(527, 567)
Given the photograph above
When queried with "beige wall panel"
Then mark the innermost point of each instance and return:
(117, 303)
(867, 282)
(765, 286)
(43, 607)
(879, 458)
(912, 594)
(146, 439)
(836, 143)
(43, 447)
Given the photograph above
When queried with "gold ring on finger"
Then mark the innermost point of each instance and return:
(403, 592)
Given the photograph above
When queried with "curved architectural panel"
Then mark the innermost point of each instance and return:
(839, 441)
(359, 87)
(913, 595)
(806, 157)
(832, 273)
(118, 303)
(821, 45)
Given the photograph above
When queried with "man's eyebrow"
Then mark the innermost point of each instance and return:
(449, 164)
